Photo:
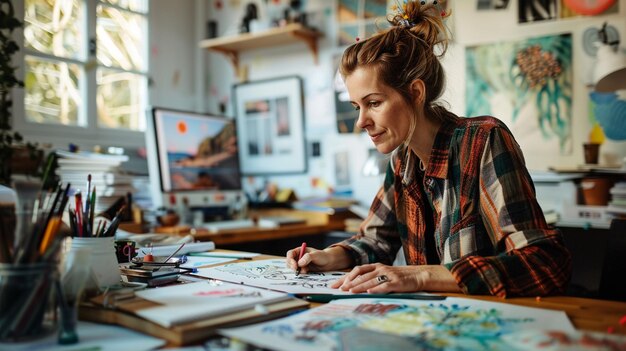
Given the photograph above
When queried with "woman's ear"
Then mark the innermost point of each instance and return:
(418, 90)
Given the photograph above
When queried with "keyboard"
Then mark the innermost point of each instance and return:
(216, 227)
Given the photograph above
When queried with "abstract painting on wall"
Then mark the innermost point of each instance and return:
(528, 85)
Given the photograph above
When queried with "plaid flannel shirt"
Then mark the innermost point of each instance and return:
(489, 230)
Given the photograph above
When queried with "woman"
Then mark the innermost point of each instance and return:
(457, 197)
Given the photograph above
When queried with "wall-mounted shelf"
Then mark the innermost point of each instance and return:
(290, 34)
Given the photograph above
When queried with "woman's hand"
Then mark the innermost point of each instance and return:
(378, 278)
(315, 260)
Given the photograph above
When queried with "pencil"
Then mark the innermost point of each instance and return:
(91, 210)
(54, 223)
(302, 250)
(79, 213)
(217, 255)
(29, 248)
(174, 253)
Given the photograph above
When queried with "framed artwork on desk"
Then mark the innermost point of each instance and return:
(270, 125)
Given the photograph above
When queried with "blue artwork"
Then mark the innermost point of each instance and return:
(528, 85)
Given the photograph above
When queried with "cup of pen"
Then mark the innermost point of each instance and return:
(105, 271)
(27, 300)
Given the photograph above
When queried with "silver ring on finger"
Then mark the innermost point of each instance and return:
(382, 279)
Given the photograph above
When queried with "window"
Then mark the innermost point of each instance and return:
(85, 67)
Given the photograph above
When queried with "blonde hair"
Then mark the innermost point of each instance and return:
(406, 52)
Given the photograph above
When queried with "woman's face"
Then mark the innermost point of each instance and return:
(383, 113)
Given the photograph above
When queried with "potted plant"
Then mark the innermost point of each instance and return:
(16, 156)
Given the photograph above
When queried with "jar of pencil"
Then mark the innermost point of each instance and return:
(105, 271)
(27, 300)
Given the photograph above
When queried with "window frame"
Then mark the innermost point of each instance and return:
(90, 134)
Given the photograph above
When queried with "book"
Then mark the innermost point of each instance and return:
(122, 311)
(90, 156)
(278, 221)
(185, 303)
(330, 205)
(234, 224)
(359, 210)
(105, 172)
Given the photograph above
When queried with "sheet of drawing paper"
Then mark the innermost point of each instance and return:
(452, 324)
(274, 274)
(199, 261)
(92, 336)
(195, 301)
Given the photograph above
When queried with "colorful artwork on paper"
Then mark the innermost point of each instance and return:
(274, 274)
(564, 341)
(528, 85)
(376, 324)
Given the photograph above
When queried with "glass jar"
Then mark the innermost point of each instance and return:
(27, 301)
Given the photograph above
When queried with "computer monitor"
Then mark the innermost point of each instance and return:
(193, 158)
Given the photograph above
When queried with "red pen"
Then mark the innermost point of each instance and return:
(302, 250)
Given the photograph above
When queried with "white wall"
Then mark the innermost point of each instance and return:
(173, 54)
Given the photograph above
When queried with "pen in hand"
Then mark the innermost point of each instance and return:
(302, 250)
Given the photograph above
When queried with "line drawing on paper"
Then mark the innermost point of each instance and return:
(275, 272)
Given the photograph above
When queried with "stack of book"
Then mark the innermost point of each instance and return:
(106, 176)
(188, 313)
(617, 205)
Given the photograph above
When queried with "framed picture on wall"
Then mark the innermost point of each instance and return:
(270, 126)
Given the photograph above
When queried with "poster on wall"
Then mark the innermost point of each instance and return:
(572, 8)
(536, 10)
(270, 124)
(528, 85)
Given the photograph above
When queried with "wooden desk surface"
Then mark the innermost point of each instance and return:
(585, 314)
(316, 223)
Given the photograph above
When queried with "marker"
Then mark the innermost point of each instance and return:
(302, 250)
(174, 253)
(217, 255)
(329, 297)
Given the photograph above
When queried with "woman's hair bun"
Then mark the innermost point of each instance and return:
(424, 18)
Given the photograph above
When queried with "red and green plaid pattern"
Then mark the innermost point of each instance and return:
(489, 229)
